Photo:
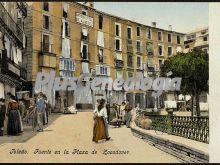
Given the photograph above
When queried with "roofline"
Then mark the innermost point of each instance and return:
(110, 15)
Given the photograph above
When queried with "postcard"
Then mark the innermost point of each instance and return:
(105, 82)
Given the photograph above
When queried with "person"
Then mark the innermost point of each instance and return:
(99, 126)
(40, 107)
(14, 124)
(108, 111)
(22, 108)
(128, 115)
(97, 103)
(122, 112)
(45, 121)
(2, 115)
(101, 119)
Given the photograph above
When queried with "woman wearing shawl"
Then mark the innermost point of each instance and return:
(14, 124)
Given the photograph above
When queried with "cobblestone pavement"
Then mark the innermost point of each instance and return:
(70, 133)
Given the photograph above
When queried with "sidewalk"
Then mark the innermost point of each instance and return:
(186, 149)
(27, 134)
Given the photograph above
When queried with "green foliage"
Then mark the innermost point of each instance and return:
(192, 67)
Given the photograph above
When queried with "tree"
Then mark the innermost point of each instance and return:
(193, 67)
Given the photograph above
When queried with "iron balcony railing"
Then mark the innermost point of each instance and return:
(119, 63)
(10, 25)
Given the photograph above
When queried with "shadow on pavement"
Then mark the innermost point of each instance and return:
(28, 132)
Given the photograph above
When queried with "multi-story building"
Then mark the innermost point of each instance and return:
(12, 44)
(73, 38)
(197, 39)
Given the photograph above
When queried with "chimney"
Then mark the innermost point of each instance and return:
(154, 24)
(89, 4)
(170, 27)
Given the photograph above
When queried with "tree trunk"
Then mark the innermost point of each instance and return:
(197, 105)
(192, 97)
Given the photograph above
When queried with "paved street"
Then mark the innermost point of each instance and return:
(75, 132)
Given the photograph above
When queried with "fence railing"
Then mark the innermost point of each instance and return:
(195, 128)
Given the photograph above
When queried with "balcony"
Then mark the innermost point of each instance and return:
(119, 63)
(46, 57)
(11, 26)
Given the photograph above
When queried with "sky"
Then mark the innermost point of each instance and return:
(184, 17)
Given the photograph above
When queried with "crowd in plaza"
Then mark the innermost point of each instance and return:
(16, 111)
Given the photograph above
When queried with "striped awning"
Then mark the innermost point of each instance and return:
(9, 80)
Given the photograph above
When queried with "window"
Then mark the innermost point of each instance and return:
(102, 70)
(150, 49)
(84, 12)
(159, 36)
(118, 44)
(46, 6)
(178, 39)
(67, 64)
(65, 10)
(84, 52)
(67, 31)
(170, 51)
(169, 37)
(118, 29)
(138, 46)
(138, 30)
(130, 60)
(161, 63)
(66, 67)
(160, 50)
(101, 55)
(46, 22)
(46, 43)
(100, 22)
(139, 62)
(130, 74)
(129, 32)
(205, 39)
(149, 34)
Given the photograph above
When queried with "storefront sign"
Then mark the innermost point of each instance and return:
(84, 19)
(13, 69)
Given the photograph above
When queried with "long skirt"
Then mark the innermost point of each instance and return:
(14, 125)
(99, 129)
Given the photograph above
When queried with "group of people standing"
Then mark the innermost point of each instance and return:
(123, 113)
(16, 111)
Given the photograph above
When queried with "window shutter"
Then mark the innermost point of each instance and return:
(108, 71)
(97, 69)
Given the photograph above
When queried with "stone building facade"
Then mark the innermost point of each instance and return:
(12, 45)
(73, 38)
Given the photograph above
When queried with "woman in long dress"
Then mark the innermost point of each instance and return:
(14, 125)
(99, 125)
